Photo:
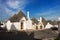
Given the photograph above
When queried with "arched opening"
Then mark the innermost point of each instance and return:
(40, 27)
(21, 25)
(36, 27)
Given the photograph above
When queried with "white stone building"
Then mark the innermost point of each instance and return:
(51, 24)
(21, 22)
(48, 26)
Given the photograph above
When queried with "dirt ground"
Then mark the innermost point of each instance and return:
(16, 36)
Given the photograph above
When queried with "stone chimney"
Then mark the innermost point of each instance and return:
(28, 14)
(40, 19)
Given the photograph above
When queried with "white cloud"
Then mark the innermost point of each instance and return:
(10, 12)
(16, 4)
(13, 4)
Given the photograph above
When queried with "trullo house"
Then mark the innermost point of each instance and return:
(22, 22)
(19, 22)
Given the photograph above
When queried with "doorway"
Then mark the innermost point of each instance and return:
(22, 25)
(36, 27)
(40, 27)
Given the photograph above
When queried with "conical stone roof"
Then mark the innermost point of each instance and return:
(17, 17)
(34, 20)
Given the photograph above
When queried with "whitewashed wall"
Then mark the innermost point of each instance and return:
(34, 27)
(29, 24)
(17, 25)
(8, 25)
(48, 26)
(24, 25)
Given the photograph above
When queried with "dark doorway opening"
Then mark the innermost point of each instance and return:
(21, 25)
(36, 27)
(40, 27)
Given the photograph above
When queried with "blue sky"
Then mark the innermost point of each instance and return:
(49, 9)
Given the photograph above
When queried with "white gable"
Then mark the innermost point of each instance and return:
(15, 26)
(48, 25)
(23, 18)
